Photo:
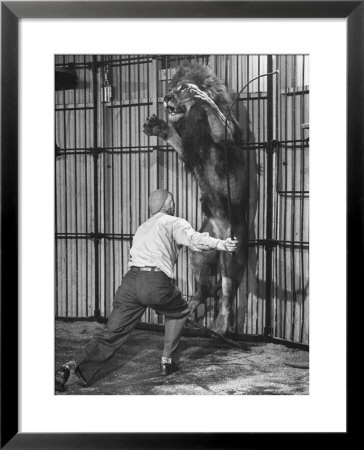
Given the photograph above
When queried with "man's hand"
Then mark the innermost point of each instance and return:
(229, 245)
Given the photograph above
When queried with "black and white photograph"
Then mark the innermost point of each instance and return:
(181, 214)
(181, 224)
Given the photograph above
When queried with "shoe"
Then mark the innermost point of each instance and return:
(167, 368)
(62, 376)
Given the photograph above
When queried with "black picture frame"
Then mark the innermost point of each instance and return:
(11, 12)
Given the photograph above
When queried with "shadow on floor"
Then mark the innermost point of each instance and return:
(206, 367)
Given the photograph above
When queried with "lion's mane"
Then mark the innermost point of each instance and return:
(205, 79)
(194, 128)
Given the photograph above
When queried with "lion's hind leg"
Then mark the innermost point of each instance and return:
(229, 285)
(222, 321)
(204, 267)
(232, 271)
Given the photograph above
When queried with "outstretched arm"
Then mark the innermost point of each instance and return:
(185, 235)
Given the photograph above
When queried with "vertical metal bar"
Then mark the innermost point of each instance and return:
(279, 197)
(285, 196)
(86, 183)
(130, 145)
(97, 311)
(174, 164)
(139, 144)
(237, 87)
(226, 75)
(166, 158)
(187, 251)
(259, 140)
(121, 162)
(111, 114)
(149, 60)
(277, 171)
(264, 187)
(237, 118)
(158, 64)
(269, 216)
(56, 212)
(177, 196)
(226, 70)
(65, 191)
(75, 175)
(247, 124)
(293, 209)
(105, 190)
(302, 202)
(148, 153)
(246, 137)
(160, 156)
(139, 152)
(105, 206)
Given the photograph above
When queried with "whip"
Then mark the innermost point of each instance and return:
(226, 151)
(192, 325)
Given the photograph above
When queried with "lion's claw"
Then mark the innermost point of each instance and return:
(154, 126)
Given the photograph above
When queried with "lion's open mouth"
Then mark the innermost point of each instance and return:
(176, 110)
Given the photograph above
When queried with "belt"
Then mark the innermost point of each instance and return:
(147, 269)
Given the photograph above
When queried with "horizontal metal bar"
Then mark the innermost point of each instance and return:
(168, 148)
(74, 108)
(252, 96)
(161, 147)
(73, 151)
(93, 236)
(280, 243)
(130, 61)
(124, 150)
(117, 104)
(298, 193)
(74, 65)
(298, 90)
(113, 62)
(128, 236)
(293, 145)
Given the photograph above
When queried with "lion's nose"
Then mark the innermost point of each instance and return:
(168, 97)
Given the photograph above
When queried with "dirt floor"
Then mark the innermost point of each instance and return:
(206, 366)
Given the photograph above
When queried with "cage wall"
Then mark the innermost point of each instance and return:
(106, 167)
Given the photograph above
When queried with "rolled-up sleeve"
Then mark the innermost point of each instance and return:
(185, 235)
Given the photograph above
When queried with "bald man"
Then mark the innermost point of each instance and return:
(148, 283)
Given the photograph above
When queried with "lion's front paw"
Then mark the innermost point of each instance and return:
(155, 127)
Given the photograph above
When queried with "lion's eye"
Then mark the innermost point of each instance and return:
(183, 87)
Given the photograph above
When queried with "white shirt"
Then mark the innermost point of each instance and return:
(157, 242)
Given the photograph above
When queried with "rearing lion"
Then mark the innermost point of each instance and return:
(198, 105)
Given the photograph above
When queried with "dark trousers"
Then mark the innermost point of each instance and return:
(138, 290)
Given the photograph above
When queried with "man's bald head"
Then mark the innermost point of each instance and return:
(161, 200)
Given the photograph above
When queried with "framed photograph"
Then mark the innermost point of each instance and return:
(97, 100)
